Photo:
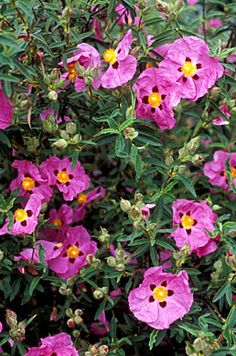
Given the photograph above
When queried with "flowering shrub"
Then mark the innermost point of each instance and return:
(118, 173)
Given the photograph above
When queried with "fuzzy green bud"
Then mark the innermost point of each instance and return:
(71, 128)
(61, 144)
(52, 95)
(111, 261)
(98, 294)
(125, 205)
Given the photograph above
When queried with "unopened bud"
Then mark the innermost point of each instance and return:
(130, 133)
(193, 144)
(1, 255)
(76, 333)
(61, 144)
(125, 205)
(162, 6)
(71, 128)
(103, 350)
(111, 261)
(62, 290)
(52, 95)
(11, 318)
(98, 294)
(78, 320)
(120, 267)
(70, 323)
(69, 312)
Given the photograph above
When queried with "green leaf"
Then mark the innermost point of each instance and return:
(34, 283)
(187, 183)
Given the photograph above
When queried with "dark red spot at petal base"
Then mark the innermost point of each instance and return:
(163, 97)
(151, 299)
(162, 304)
(181, 214)
(56, 172)
(155, 89)
(195, 222)
(164, 284)
(195, 77)
(198, 66)
(187, 59)
(170, 292)
(23, 223)
(188, 231)
(152, 286)
(115, 65)
(72, 260)
(184, 79)
(71, 176)
(145, 99)
(29, 213)
(180, 225)
(153, 110)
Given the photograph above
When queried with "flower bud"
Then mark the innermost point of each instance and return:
(62, 290)
(69, 312)
(79, 312)
(11, 318)
(98, 294)
(125, 205)
(104, 235)
(78, 320)
(120, 267)
(130, 133)
(68, 292)
(50, 125)
(103, 350)
(71, 128)
(76, 333)
(61, 144)
(70, 323)
(1, 255)
(214, 92)
(111, 261)
(162, 6)
(193, 144)
(52, 95)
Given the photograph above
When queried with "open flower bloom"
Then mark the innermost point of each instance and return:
(69, 182)
(161, 298)
(25, 220)
(29, 180)
(219, 120)
(57, 345)
(6, 112)
(146, 210)
(193, 221)
(217, 171)
(84, 199)
(74, 250)
(156, 98)
(189, 64)
(122, 66)
(61, 219)
(88, 58)
(124, 16)
(50, 112)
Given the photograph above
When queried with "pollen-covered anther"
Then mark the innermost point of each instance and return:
(110, 56)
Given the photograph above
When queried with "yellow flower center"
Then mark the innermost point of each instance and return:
(28, 183)
(110, 56)
(160, 293)
(129, 21)
(154, 100)
(82, 198)
(63, 177)
(73, 252)
(187, 221)
(188, 69)
(148, 65)
(57, 222)
(20, 215)
(233, 172)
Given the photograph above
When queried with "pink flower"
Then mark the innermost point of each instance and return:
(161, 298)
(75, 248)
(215, 22)
(84, 199)
(6, 112)
(216, 170)
(219, 120)
(25, 220)
(50, 112)
(124, 16)
(146, 210)
(87, 57)
(61, 219)
(155, 98)
(192, 2)
(31, 255)
(69, 182)
(1, 327)
(29, 180)
(165, 259)
(102, 327)
(57, 345)
(188, 64)
(122, 66)
(193, 221)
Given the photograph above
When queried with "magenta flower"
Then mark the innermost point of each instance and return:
(216, 170)
(6, 112)
(122, 66)
(29, 180)
(161, 298)
(69, 182)
(50, 112)
(61, 219)
(146, 210)
(193, 221)
(188, 63)
(102, 326)
(25, 220)
(87, 57)
(192, 2)
(57, 345)
(124, 16)
(215, 22)
(219, 120)
(76, 246)
(31, 255)
(84, 199)
(156, 98)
